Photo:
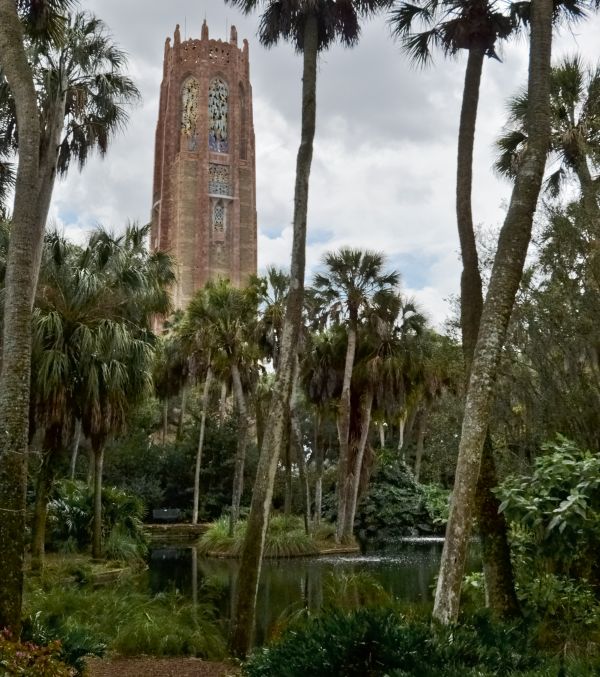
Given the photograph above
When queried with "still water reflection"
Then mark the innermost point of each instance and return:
(405, 572)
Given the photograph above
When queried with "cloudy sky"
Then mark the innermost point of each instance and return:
(385, 150)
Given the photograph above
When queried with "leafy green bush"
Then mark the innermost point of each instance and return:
(555, 513)
(30, 660)
(70, 517)
(437, 502)
(381, 642)
(394, 505)
(285, 538)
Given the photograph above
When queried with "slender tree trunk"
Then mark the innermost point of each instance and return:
(589, 193)
(492, 525)
(205, 395)
(240, 457)
(165, 420)
(421, 421)
(318, 451)
(367, 404)
(381, 435)
(287, 492)
(504, 283)
(97, 519)
(23, 256)
(182, 412)
(344, 490)
(223, 403)
(38, 535)
(252, 550)
(299, 446)
(401, 426)
(75, 448)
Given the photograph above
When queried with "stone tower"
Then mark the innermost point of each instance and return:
(204, 196)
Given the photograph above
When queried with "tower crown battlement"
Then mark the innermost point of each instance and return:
(204, 195)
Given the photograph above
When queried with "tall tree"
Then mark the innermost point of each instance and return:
(351, 281)
(504, 282)
(36, 102)
(311, 26)
(575, 131)
(475, 26)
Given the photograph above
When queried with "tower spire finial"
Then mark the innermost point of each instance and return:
(205, 30)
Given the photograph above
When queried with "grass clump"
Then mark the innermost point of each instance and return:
(124, 620)
(285, 538)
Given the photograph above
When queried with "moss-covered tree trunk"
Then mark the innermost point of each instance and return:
(504, 283)
(205, 396)
(344, 475)
(240, 456)
(258, 518)
(98, 450)
(21, 274)
(500, 588)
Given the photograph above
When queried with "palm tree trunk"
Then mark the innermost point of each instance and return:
(401, 426)
(299, 446)
(182, 412)
(97, 519)
(502, 598)
(252, 550)
(75, 448)
(355, 481)
(23, 256)
(504, 283)
(381, 435)
(223, 403)
(165, 420)
(240, 457)
(38, 535)
(589, 193)
(420, 442)
(344, 490)
(318, 452)
(205, 395)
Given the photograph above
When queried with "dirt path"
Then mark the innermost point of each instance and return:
(159, 667)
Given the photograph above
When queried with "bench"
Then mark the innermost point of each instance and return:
(166, 514)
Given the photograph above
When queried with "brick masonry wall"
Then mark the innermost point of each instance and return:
(182, 208)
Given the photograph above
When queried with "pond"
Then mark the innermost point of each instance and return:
(404, 572)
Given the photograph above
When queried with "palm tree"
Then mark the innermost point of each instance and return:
(575, 134)
(91, 339)
(347, 289)
(29, 31)
(477, 26)
(224, 318)
(311, 26)
(504, 282)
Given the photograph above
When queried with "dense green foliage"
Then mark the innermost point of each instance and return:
(70, 514)
(124, 620)
(395, 505)
(382, 642)
(285, 538)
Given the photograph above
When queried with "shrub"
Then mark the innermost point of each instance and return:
(285, 538)
(437, 502)
(381, 642)
(393, 506)
(30, 660)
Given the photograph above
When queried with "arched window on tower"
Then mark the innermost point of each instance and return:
(243, 125)
(219, 221)
(189, 112)
(218, 109)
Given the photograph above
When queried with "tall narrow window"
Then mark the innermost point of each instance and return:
(218, 95)
(189, 112)
(218, 180)
(243, 125)
(219, 221)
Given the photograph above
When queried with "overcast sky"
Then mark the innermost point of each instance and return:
(385, 151)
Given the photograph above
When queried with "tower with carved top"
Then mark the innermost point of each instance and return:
(204, 195)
